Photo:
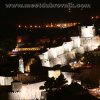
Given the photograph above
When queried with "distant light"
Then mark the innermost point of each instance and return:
(39, 26)
(25, 26)
(12, 71)
(51, 25)
(74, 24)
(75, 62)
(35, 26)
(19, 26)
(13, 55)
(97, 17)
(26, 74)
(19, 39)
(64, 25)
(14, 50)
(31, 26)
(92, 17)
(58, 25)
(78, 23)
(47, 26)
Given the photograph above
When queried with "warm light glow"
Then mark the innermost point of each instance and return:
(19, 26)
(35, 26)
(92, 17)
(58, 25)
(47, 26)
(27, 49)
(19, 39)
(97, 17)
(65, 25)
(25, 26)
(54, 74)
(31, 26)
(52, 25)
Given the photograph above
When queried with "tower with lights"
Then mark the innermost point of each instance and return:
(21, 65)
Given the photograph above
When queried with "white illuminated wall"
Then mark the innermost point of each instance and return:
(60, 50)
(45, 55)
(5, 80)
(68, 46)
(90, 43)
(28, 92)
(68, 77)
(57, 55)
(52, 53)
(76, 41)
(80, 50)
(56, 61)
(46, 63)
(87, 31)
(54, 73)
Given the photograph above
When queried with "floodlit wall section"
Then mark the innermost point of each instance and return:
(58, 55)
(80, 50)
(68, 46)
(90, 43)
(16, 86)
(76, 41)
(52, 53)
(5, 80)
(60, 50)
(54, 74)
(87, 31)
(28, 92)
(68, 77)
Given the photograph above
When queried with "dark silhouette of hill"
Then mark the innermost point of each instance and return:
(71, 92)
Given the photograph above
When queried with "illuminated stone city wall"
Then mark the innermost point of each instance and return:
(28, 92)
(61, 59)
(68, 77)
(76, 41)
(90, 43)
(66, 52)
(5, 80)
(68, 46)
(54, 74)
(87, 31)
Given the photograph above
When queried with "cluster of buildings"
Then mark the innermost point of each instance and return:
(65, 53)
(61, 55)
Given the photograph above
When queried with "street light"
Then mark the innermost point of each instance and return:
(19, 26)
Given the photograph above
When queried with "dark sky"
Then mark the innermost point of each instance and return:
(15, 16)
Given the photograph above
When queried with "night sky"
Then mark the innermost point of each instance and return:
(13, 17)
